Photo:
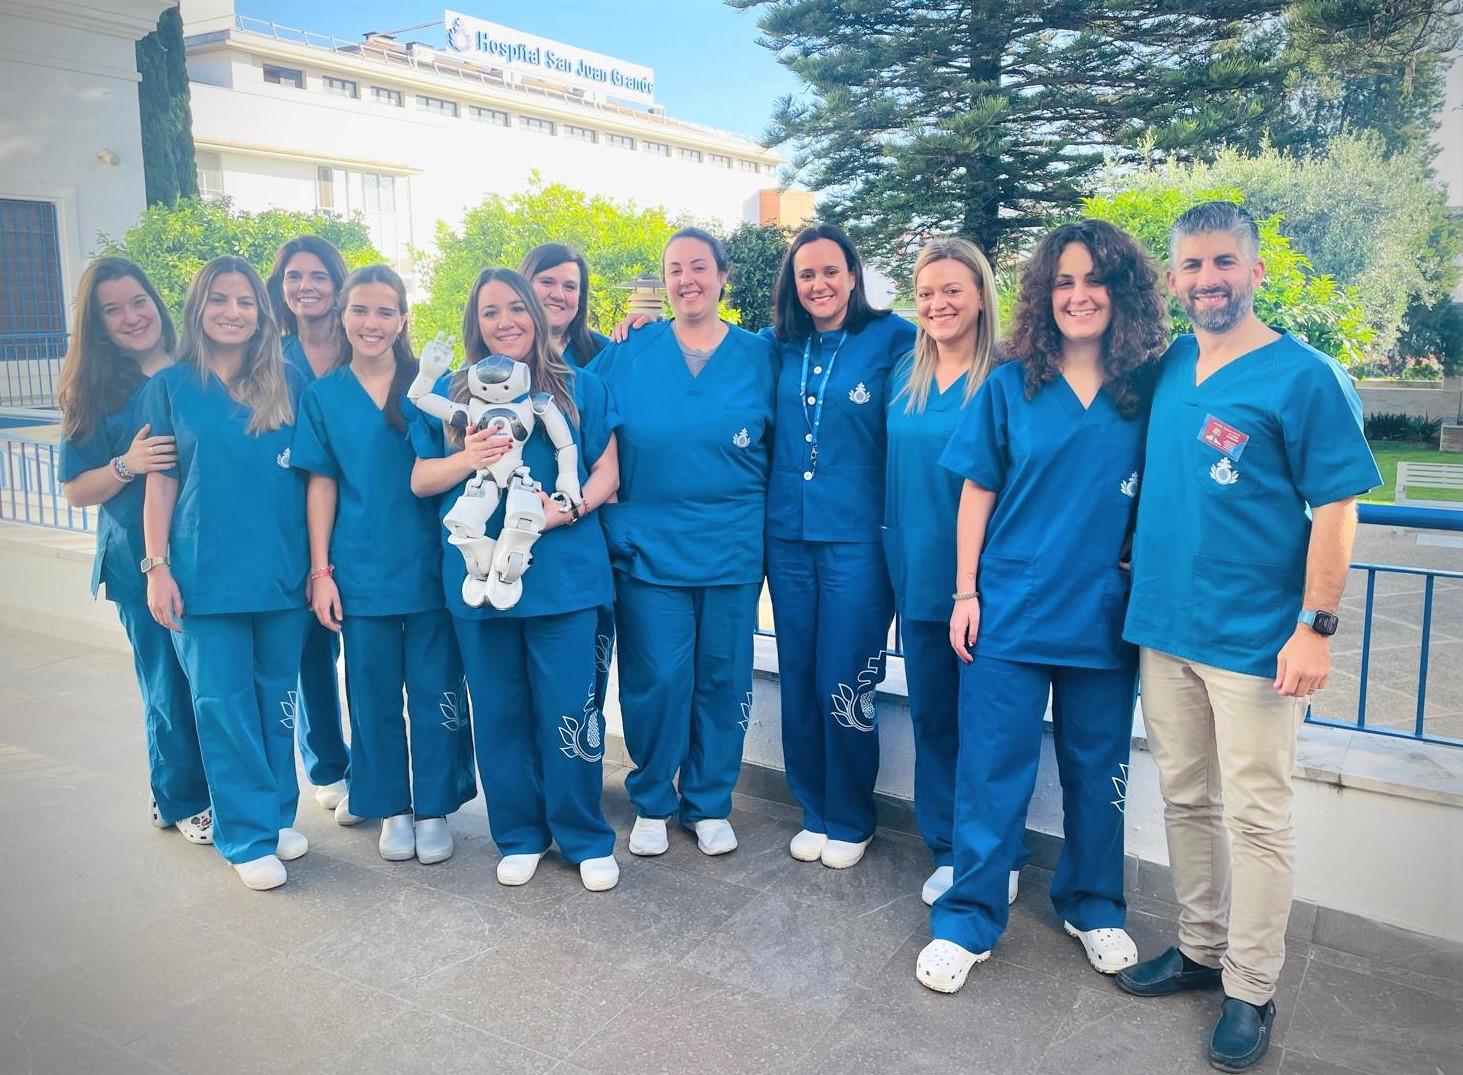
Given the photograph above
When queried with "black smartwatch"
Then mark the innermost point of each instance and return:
(1323, 623)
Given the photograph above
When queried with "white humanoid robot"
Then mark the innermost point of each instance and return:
(502, 403)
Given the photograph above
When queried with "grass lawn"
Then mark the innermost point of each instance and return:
(1391, 452)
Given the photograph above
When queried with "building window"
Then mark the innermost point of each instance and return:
(210, 174)
(533, 123)
(619, 141)
(769, 169)
(488, 115)
(325, 187)
(718, 160)
(284, 76)
(342, 87)
(747, 166)
(688, 154)
(580, 134)
(660, 149)
(32, 308)
(382, 96)
(436, 104)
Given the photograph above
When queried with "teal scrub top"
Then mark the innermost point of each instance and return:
(921, 498)
(120, 548)
(238, 541)
(1219, 557)
(384, 544)
(602, 341)
(571, 567)
(841, 497)
(1066, 479)
(294, 355)
(694, 457)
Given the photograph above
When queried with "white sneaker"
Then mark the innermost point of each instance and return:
(343, 815)
(943, 965)
(434, 840)
(841, 854)
(197, 829)
(292, 844)
(936, 884)
(518, 869)
(262, 874)
(601, 874)
(807, 846)
(1013, 886)
(331, 795)
(714, 836)
(1108, 950)
(398, 840)
(648, 837)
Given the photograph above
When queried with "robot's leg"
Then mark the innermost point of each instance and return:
(466, 524)
(523, 521)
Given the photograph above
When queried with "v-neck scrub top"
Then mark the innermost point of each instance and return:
(841, 498)
(1065, 478)
(694, 458)
(238, 541)
(384, 544)
(1219, 557)
(921, 498)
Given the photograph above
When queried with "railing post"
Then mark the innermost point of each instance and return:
(1366, 647)
(1427, 620)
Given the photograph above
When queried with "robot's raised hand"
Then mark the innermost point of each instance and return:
(436, 357)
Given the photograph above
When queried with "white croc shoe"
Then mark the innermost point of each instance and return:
(398, 840)
(1013, 886)
(648, 837)
(943, 965)
(1108, 950)
(514, 870)
(157, 815)
(715, 836)
(937, 884)
(197, 829)
(601, 874)
(807, 846)
(331, 795)
(292, 844)
(343, 815)
(262, 874)
(434, 840)
(841, 854)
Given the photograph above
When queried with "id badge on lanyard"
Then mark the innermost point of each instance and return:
(815, 422)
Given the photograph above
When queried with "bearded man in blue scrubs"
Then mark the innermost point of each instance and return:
(1246, 519)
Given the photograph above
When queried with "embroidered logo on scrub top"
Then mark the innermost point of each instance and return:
(1120, 785)
(853, 707)
(1224, 473)
(581, 739)
(1224, 438)
(860, 394)
(742, 438)
(288, 706)
(452, 718)
(283, 459)
(1129, 485)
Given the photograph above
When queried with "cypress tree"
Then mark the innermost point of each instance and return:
(169, 168)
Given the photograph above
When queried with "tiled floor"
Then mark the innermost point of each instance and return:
(125, 949)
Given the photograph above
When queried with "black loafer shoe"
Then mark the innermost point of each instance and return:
(1165, 974)
(1241, 1036)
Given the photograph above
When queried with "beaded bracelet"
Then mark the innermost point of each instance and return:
(323, 573)
(121, 470)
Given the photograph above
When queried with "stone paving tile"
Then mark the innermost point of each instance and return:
(24, 649)
(890, 875)
(419, 1041)
(36, 1042)
(1109, 1033)
(1292, 1062)
(759, 862)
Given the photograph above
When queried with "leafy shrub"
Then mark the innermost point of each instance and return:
(1410, 427)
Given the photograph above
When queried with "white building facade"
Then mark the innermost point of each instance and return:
(408, 135)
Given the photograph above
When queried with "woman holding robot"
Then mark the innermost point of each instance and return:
(523, 592)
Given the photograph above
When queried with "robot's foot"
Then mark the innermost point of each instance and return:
(505, 586)
(475, 592)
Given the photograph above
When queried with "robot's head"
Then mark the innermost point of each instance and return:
(497, 379)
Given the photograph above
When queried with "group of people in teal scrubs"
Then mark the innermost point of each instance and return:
(986, 490)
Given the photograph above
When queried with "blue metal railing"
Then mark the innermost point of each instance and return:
(30, 365)
(30, 491)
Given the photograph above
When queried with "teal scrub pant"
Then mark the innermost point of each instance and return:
(174, 759)
(833, 606)
(417, 653)
(243, 670)
(604, 651)
(932, 681)
(1001, 708)
(685, 663)
(540, 739)
(322, 746)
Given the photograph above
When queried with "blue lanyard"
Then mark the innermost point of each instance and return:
(817, 420)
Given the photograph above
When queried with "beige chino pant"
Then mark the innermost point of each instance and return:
(1224, 744)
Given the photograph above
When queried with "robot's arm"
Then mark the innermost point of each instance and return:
(435, 361)
(566, 452)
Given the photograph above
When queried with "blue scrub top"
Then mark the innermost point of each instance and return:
(1219, 557)
(574, 360)
(238, 541)
(694, 457)
(120, 548)
(294, 355)
(384, 544)
(842, 498)
(1065, 478)
(921, 498)
(571, 567)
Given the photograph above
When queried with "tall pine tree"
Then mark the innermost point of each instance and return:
(984, 117)
(169, 169)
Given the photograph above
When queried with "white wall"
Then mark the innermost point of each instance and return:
(68, 89)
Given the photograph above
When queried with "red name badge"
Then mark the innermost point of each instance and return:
(1223, 437)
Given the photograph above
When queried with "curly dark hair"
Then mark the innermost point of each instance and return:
(1137, 334)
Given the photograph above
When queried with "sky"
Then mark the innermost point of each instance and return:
(708, 66)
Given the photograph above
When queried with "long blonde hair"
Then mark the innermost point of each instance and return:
(987, 326)
(260, 383)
